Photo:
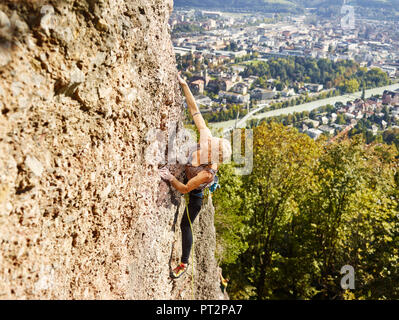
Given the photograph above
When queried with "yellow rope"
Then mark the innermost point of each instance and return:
(193, 249)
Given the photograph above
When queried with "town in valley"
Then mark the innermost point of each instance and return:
(239, 66)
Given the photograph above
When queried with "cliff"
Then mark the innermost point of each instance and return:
(83, 215)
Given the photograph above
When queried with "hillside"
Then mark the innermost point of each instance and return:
(244, 5)
(82, 213)
(281, 5)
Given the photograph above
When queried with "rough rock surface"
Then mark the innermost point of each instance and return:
(83, 215)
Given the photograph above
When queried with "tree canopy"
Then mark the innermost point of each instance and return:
(307, 209)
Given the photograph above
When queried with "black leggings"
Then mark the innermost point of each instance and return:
(194, 207)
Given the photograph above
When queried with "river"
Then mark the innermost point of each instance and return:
(227, 125)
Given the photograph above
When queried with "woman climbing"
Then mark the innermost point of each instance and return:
(201, 169)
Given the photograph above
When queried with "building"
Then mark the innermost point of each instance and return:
(223, 84)
(197, 87)
(314, 87)
(230, 54)
(238, 54)
(288, 93)
(226, 84)
(349, 115)
(250, 80)
(390, 70)
(314, 133)
(390, 97)
(327, 129)
(238, 68)
(312, 123)
(203, 100)
(234, 97)
(324, 120)
(241, 88)
(263, 94)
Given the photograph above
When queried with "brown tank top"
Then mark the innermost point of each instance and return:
(192, 171)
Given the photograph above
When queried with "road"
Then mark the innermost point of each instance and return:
(229, 125)
(246, 117)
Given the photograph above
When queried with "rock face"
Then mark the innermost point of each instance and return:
(83, 214)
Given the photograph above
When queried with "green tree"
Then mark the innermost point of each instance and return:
(282, 161)
(307, 209)
(349, 86)
(228, 215)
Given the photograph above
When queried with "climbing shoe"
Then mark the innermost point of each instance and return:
(179, 271)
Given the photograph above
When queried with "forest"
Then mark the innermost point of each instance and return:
(307, 209)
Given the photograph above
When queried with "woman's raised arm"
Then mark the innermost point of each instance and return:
(194, 110)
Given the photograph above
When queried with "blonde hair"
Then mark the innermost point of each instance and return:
(222, 148)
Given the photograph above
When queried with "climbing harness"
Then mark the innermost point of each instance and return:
(215, 185)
